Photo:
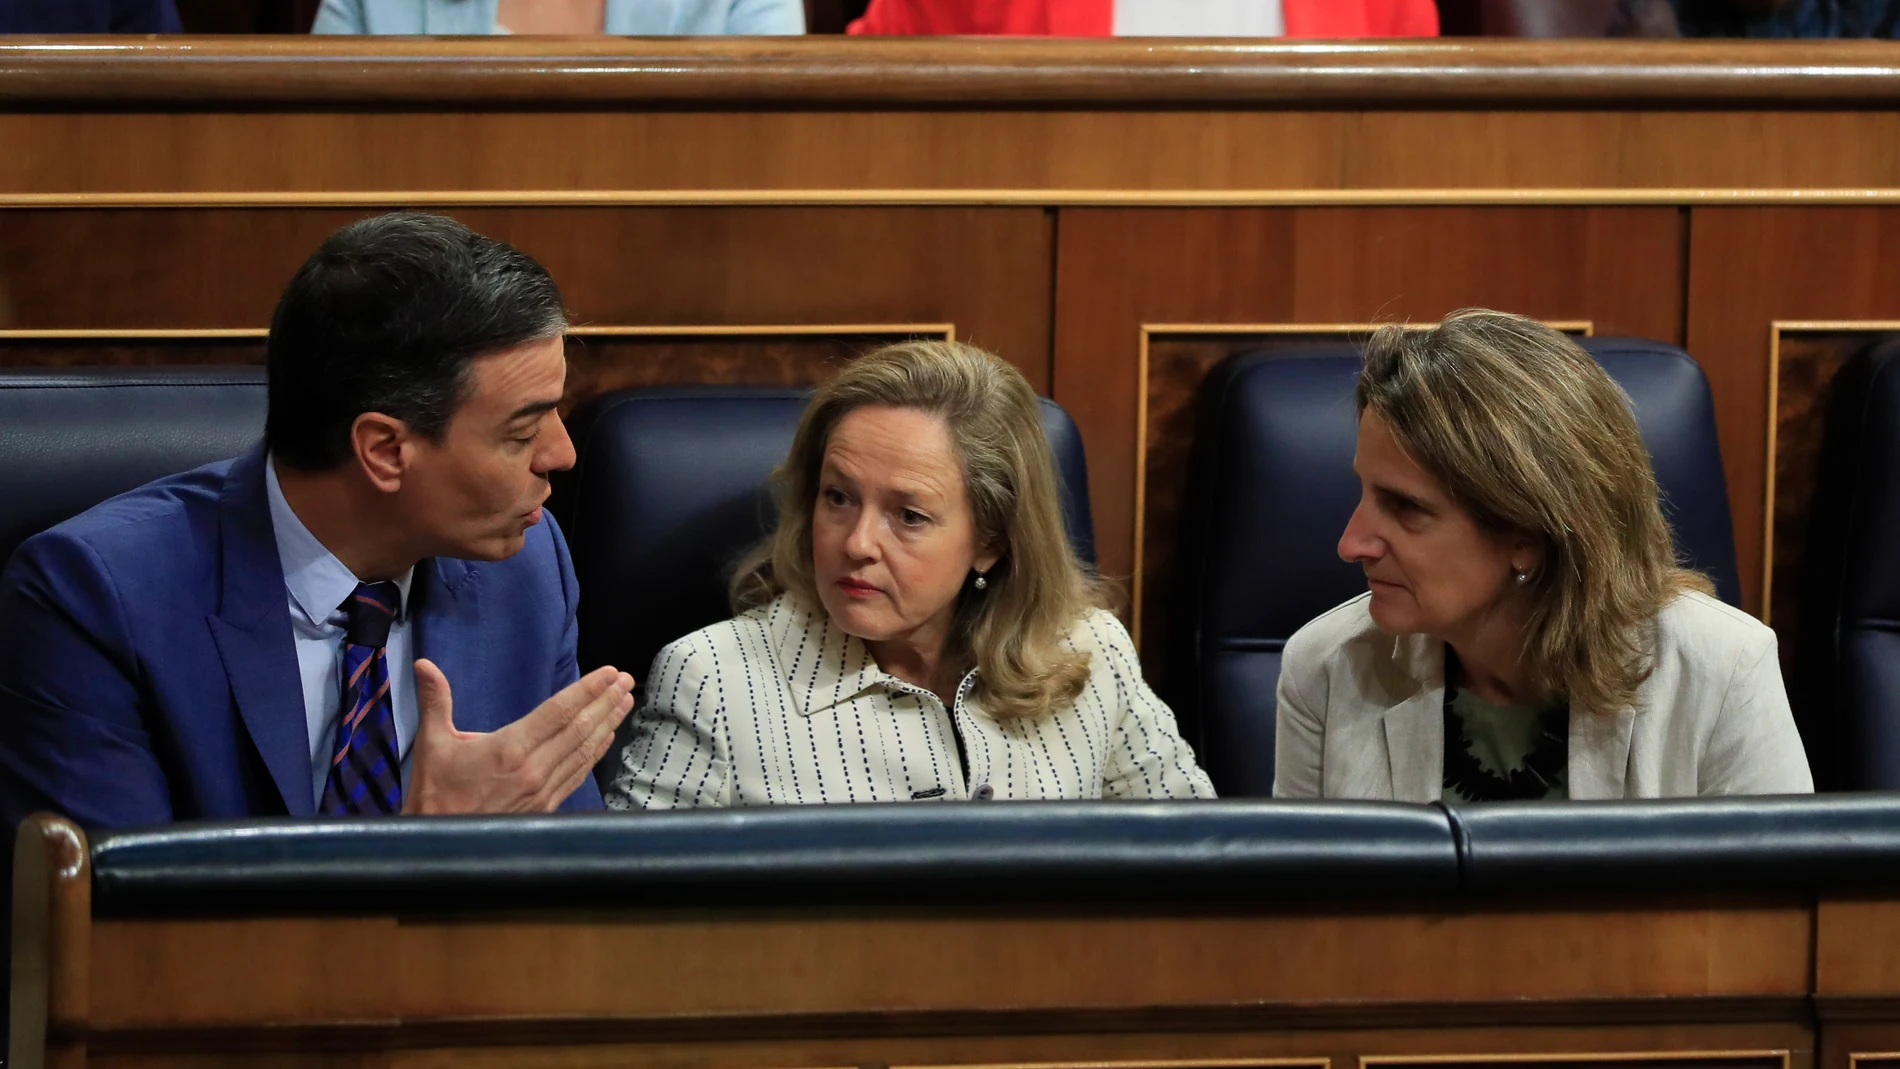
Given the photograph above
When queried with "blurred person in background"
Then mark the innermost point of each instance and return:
(1671, 18)
(1788, 18)
(619, 17)
(1153, 18)
(88, 16)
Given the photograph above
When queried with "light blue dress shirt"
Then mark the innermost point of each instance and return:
(632, 18)
(319, 584)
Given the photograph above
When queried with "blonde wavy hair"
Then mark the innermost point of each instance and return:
(1532, 437)
(1014, 632)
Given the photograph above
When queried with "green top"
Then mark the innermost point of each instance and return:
(1499, 738)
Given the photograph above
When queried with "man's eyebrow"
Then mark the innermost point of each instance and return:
(533, 408)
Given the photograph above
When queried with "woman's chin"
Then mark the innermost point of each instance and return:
(1392, 617)
(857, 620)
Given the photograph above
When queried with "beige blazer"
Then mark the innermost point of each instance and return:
(1361, 714)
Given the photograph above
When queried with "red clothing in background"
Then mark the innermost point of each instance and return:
(1096, 18)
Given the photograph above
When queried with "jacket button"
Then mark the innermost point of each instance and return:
(983, 793)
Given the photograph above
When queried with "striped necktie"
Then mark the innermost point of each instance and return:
(366, 770)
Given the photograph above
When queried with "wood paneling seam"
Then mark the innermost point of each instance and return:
(1037, 197)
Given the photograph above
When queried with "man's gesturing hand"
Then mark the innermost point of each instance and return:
(530, 766)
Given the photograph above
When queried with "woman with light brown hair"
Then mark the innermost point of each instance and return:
(917, 627)
(1527, 633)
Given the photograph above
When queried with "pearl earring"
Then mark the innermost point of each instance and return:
(982, 583)
(1523, 577)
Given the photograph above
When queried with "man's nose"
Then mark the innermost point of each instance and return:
(557, 454)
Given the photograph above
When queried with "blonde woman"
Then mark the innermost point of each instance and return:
(916, 629)
(1527, 633)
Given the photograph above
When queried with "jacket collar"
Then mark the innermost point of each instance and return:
(824, 666)
(1600, 753)
(1415, 722)
(447, 621)
(252, 632)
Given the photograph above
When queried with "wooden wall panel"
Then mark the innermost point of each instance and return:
(597, 364)
(1138, 1039)
(701, 151)
(857, 965)
(1618, 269)
(105, 351)
(987, 272)
(1749, 268)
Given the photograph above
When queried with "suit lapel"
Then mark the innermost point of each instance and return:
(1415, 727)
(447, 623)
(252, 632)
(1600, 753)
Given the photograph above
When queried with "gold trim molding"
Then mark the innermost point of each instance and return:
(1776, 329)
(1149, 331)
(136, 334)
(1195, 1063)
(1854, 1058)
(1057, 198)
(1382, 1061)
(947, 331)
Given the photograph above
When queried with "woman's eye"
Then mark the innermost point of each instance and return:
(834, 497)
(913, 518)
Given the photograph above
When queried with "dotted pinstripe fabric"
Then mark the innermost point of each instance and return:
(778, 707)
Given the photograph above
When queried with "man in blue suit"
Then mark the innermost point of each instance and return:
(279, 633)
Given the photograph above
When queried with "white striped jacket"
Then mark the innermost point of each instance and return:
(778, 706)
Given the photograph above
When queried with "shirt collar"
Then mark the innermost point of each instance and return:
(826, 667)
(318, 582)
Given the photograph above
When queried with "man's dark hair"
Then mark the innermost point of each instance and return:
(387, 316)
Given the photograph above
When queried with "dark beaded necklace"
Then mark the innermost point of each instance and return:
(1543, 767)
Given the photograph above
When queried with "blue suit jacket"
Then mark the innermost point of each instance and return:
(147, 668)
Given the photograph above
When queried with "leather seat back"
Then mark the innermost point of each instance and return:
(71, 438)
(670, 490)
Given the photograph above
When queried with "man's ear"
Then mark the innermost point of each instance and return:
(381, 446)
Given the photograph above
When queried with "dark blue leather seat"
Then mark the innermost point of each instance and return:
(1846, 686)
(71, 438)
(669, 491)
(1273, 488)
